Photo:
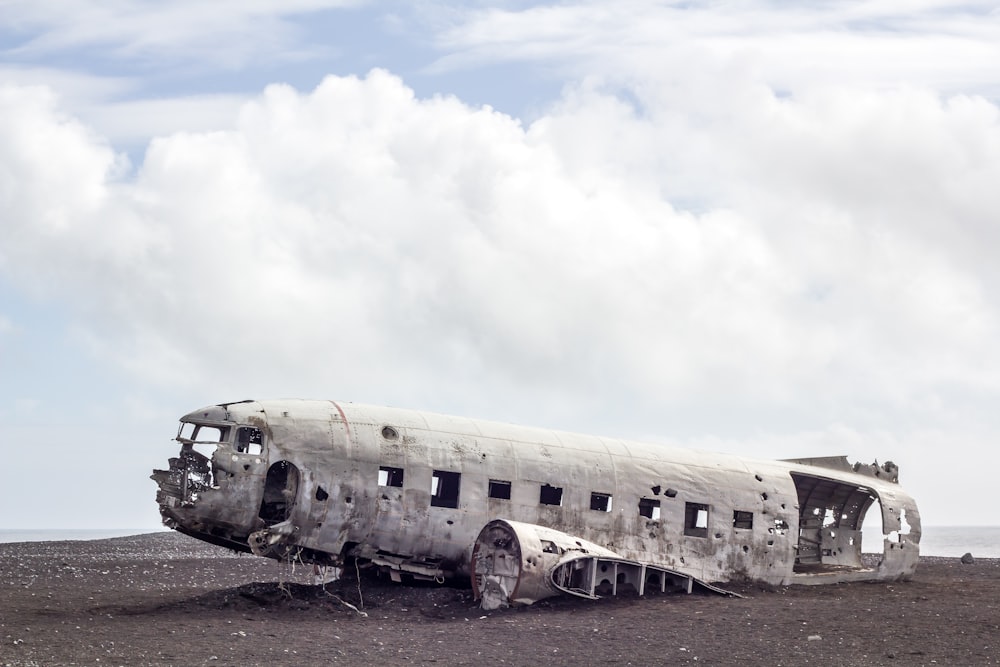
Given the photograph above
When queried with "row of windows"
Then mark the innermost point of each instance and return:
(445, 492)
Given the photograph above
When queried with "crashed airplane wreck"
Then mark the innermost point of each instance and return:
(526, 513)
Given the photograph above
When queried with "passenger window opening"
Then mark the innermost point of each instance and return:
(550, 495)
(390, 476)
(742, 520)
(444, 488)
(649, 508)
(600, 502)
(249, 440)
(696, 519)
(499, 489)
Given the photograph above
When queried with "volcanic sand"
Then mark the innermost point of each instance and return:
(166, 599)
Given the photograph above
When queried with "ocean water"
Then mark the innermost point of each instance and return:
(980, 541)
(55, 535)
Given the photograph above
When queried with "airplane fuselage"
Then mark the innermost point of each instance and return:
(322, 481)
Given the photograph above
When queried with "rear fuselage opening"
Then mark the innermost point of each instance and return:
(831, 513)
(832, 524)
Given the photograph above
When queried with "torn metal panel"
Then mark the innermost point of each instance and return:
(513, 562)
(519, 564)
(324, 482)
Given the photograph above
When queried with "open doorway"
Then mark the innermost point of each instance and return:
(280, 489)
(831, 515)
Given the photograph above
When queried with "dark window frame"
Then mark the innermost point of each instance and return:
(448, 490)
(742, 520)
(692, 513)
(393, 476)
(499, 489)
(600, 502)
(650, 508)
(550, 495)
(249, 440)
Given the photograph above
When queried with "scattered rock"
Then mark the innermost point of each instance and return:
(967, 559)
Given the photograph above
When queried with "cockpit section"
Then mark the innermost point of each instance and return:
(211, 450)
(213, 486)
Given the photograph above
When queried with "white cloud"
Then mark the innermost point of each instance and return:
(133, 122)
(360, 229)
(227, 33)
(109, 106)
(651, 44)
(75, 88)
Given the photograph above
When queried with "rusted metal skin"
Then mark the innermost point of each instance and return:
(321, 481)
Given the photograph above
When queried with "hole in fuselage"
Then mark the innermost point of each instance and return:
(280, 489)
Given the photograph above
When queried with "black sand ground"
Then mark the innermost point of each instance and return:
(164, 599)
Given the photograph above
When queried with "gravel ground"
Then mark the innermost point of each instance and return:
(166, 599)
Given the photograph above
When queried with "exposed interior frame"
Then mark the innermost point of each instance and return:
(831, 514)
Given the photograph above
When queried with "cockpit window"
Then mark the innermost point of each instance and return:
(199, 433)
(203, 439)
(186, 431)
(249, 440)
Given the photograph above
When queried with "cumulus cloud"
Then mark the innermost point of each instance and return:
(57, 180)
(362, 236)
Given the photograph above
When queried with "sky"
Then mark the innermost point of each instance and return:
(760, 228)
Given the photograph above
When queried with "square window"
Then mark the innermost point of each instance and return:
(499, 489)
(550, 495)
(249, 440)
(390, 476)
(649, 508)
(742, 520)
(600, 502)
(696, 519)
(444, 488)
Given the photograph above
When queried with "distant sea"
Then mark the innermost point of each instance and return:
(56, 535)
(981, 541)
